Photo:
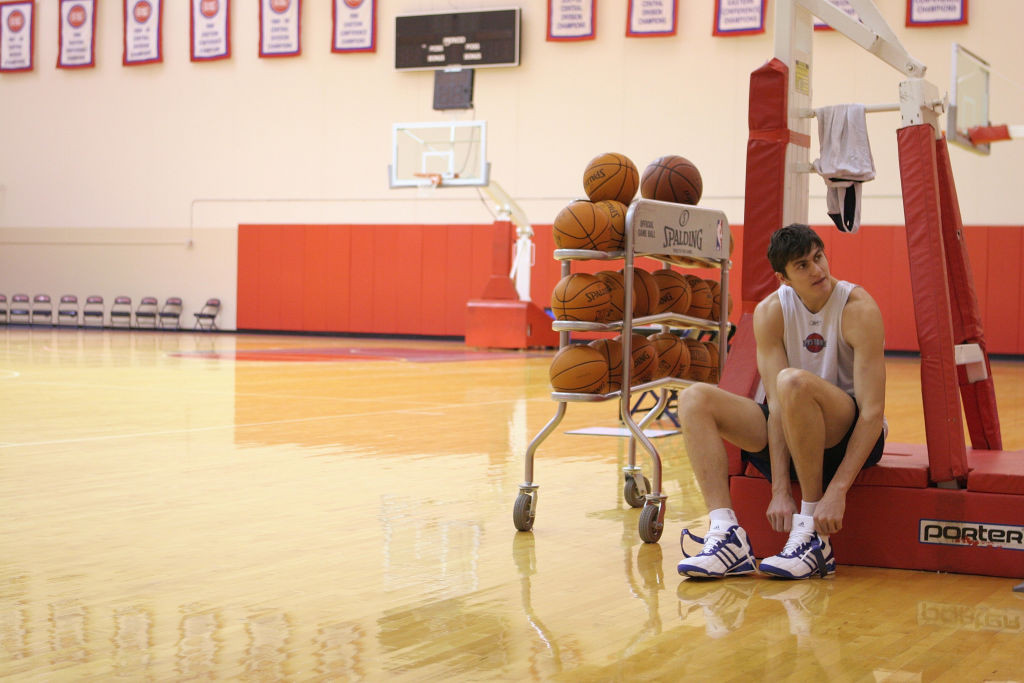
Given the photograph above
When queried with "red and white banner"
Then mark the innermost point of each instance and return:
(649, 18)
(355, 26)
(738, 17)
(143, 32)
(77, 39)
(210, 29)
(572, 19)
(280, 28)
(17, 26)
(936, 12)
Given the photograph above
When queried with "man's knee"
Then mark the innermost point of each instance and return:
(697, 400)
(794, 383)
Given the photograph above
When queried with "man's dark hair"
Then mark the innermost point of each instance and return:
(791, 242)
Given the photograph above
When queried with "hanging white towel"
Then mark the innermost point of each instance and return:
(845, 161)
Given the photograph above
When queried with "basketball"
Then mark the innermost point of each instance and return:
(645, 359)
(611, 350)
(672, 178)
(673, 291)
(579, 368)
(716, 299)
(673, 356)
(582, 225)
(700, 297)
(613, 281)
(712, 347)
(617, 213)
(581, 297)
(611, 176)
(700, 361)
(645, 292)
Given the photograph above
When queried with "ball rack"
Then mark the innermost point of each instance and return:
(676, 234)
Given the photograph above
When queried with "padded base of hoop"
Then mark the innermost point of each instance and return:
(503, 324)
(894, 519)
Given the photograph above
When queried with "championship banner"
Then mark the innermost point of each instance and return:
(649, 18)
(279, 28)
(355, 26)
(936, 12)
(844, 5)
(572, 19)
(16, 31)
(738, 17)
(143, 32)
(77, 39)
(210, 29)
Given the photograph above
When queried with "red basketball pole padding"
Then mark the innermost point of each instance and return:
(979, 398)
(766, 177)
(944, 431)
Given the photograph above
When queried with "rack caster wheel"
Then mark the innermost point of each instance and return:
(629, 491)
(521, 516)
(650, 527)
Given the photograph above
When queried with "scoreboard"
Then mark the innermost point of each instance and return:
(457, 39)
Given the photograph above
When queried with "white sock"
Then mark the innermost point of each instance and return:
(807, 507)
(721, 520)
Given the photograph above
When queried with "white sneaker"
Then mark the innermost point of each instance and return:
(806, 553)
(726, 552)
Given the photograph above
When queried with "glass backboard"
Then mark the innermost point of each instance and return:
(968, 98)
(452, 153)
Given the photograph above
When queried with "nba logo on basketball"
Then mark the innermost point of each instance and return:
(814, 343)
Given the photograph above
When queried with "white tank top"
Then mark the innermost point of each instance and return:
(814, 341)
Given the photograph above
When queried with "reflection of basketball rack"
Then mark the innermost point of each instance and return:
(647, 221)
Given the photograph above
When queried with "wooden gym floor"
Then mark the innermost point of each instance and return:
(186, 506)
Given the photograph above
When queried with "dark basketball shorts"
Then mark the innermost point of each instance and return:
(833, 456)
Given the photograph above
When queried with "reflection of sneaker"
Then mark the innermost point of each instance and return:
(723, 604)
(726, 552)
(803, 601)
(806, 553)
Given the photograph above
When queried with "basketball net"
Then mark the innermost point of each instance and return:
(429, 182)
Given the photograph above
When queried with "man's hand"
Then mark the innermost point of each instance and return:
(781, 511)
(828, 515)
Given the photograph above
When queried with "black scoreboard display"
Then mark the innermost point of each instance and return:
(457, 39)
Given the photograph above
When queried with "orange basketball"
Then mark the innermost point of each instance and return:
(611, 349)
(673, 291)
(700, 361)
(582, 225)
(613, 281)
(611, 176)
(673, 356)
(645, 359)
(581, 296)
(617, 213)
(672, 178)
(716, 299)
(700, 297)
(712, 347)
(645, 292)
(579, 368)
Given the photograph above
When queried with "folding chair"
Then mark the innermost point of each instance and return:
(121, 312)
(42, 309)
(170, 314)
(145, 314)
(21, 309)
(3, 309)
(93, 312)
(67, 310)
(206, 318)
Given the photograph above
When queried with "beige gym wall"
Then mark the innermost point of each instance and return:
(132, 180)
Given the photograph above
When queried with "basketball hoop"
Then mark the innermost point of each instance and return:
(429, 180)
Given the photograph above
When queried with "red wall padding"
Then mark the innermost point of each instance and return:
(416, 279)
